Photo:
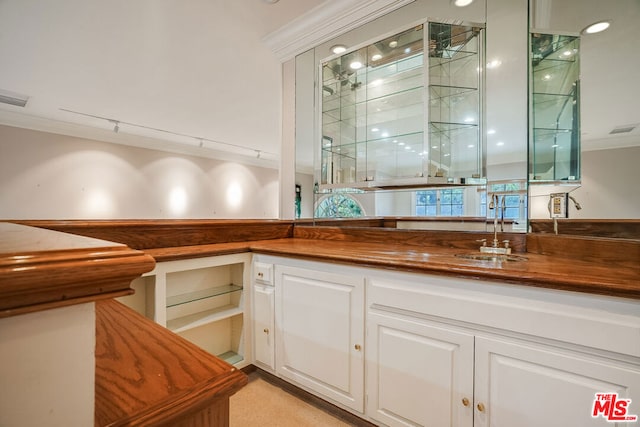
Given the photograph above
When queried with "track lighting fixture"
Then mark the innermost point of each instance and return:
(201, 141)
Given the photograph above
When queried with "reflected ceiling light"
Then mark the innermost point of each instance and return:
(469, 120)
(385, 134)
(339, 48)
(470, 146)
(355, 65)
(555, 146)
(376, 57)
(407, 50)
(407, 147)
(494, 64)
(462, 3)
(499, 143)
(374, 129)
(376, 82)
(491, 131)
(393, 44)
(546, 77)
(596, 27)
(400, 143)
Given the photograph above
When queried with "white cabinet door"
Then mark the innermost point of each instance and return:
(320, 331)
(532, 385)
(418, 373)
(263, 326)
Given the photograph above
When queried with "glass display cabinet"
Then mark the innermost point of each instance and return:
(395, 116)
(554, 137)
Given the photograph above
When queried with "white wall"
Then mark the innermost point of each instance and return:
(48, 367)
(610, 180)
(50, 176)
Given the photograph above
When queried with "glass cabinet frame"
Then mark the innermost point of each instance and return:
(355, 152)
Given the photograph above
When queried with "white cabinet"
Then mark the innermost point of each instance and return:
(443, 351)
(419, 373)
(530, 385)
(201, 299)
(452, 352)
(320, 331)
(263, 317)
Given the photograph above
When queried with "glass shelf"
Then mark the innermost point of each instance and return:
(202, 294)
(184, 323)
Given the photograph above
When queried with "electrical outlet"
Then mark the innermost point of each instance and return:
(558, 205)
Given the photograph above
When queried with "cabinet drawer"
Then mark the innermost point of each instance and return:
(603, 323)
(263, 273)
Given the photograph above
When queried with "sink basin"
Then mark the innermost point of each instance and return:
(492, 257)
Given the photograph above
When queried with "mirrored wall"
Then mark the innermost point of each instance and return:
(597, 137)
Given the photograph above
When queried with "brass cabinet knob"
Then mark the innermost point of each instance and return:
(357, 347)
(480, 407)
(266, 331)
(465, 401)
(260, 274)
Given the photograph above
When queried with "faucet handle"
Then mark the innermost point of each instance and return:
(506, 244)
(483, 241)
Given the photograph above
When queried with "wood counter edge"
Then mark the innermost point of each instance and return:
(147, 375)
(43, 269)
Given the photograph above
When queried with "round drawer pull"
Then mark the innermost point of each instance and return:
(465, 401)
(480, 407)
(357, 347)
(266, 331)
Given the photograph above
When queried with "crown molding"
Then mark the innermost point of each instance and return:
(324, 22)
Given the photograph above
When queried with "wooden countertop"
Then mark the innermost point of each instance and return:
(147, 375)
(538, 270)
(609, 277)
(42, 269)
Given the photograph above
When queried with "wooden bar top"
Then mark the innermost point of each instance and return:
(43, 269)
(621, 280)
(147, 375)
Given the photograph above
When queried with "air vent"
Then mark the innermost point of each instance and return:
(622, 129)
(12, 98)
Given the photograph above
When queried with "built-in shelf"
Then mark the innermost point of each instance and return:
(200, 299)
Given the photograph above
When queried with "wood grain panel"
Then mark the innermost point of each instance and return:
(147, 375)
(37, 272)
(620, 228)
(148, 234)
(613, 252)
(467, 240)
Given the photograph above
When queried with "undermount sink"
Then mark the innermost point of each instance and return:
(492, 257)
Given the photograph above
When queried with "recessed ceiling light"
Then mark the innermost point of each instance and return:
(339, 48)
(376, 57)
(596, 27)
(462, 3)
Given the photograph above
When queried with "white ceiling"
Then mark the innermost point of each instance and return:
(170, 72)
(204, 69)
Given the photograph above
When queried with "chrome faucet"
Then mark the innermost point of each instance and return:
(495, 248)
